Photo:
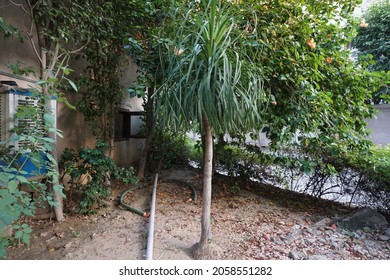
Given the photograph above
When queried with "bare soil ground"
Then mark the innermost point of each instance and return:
(249, 221)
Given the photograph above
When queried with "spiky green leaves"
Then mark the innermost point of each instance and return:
(212, 75)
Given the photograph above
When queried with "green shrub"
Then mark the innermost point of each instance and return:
(360, 177)
(377, 165)
(97, 169)
(170, 148)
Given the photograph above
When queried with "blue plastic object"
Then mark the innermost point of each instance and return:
(33, 167)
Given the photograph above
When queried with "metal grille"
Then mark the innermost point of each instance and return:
(29, 118)
(2, 117)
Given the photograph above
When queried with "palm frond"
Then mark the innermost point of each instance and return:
(209, 77)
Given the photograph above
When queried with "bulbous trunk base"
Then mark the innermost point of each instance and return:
(208, 251)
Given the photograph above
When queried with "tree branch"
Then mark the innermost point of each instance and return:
(30, 13)
(17, 5)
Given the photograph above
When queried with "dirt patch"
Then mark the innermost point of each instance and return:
(249, 221)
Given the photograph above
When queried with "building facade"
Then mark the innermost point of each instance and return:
(75, 130)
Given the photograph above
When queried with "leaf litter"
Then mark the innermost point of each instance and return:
(249, 221)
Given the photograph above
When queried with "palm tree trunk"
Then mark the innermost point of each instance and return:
(207, 179)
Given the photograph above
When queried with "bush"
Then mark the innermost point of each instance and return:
(94, 167)
(359, 177)
(170, 148)
(377, 165)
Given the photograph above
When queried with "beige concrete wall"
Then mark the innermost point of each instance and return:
(127, 153)
(75, 131)
(12, 49)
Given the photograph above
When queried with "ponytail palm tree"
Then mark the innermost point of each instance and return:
(211, 82)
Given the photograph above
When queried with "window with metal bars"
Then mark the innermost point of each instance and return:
(2, 117)
(29, 119)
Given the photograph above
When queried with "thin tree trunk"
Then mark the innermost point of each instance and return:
(151, 125)
(207, 180)
(145, 152)
(45, 75)
(58, 209)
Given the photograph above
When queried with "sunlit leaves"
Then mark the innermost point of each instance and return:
(304, 52)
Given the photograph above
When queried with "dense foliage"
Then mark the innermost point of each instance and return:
(88, 173)
(282, 67)
(207, 73)
(39, 137)
(319, 93)
(210, 82)
(8, 30)
(374, 35)
(108, 26)
(314, 97)
(29, 164)
(372, 41)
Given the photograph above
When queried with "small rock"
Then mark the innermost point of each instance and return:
(360, 250)
(296, 255)
(322, 240)
(329, 232)
(364, 218)
(318, 257)
(311, 240)
(387, 232)
(292, 236)
(383, 238)
(361, 235)
(324, 223)
(334, 245)
(335, 242)
(60, 234)
(372, 250)
(296, 227)
(309, 230)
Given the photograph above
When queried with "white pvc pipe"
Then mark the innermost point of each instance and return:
(149, 246)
